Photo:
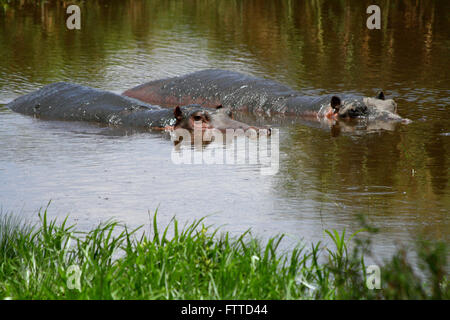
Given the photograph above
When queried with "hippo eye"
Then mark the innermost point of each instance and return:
(197, 118)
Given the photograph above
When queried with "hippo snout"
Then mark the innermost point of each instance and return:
(222, 119)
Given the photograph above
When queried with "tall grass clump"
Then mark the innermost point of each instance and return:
(54, 261)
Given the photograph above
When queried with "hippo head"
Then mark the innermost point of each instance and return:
(377, 107)
(380, 103)
(192, 118)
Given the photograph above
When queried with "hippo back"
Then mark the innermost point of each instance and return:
(72, 102)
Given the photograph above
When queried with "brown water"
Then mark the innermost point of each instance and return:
(399, 178)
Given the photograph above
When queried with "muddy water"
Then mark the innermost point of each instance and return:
(398, 178)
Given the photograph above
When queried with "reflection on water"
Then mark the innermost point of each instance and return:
(399, 178)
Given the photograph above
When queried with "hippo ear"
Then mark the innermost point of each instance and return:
(178, 113)
(380, 95)
(219, 107)
(335, 102)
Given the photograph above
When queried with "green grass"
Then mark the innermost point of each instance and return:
(54, 261)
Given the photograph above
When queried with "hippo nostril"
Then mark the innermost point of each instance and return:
(36, 108)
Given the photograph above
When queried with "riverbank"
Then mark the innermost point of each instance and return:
(53, 260)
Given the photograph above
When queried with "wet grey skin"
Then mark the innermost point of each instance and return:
(241, 92)
(72, 102)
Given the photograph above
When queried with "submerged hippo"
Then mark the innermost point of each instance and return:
(241, 92)
(67, 101)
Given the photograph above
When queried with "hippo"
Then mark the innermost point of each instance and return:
(241, 92)
(73, 102)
